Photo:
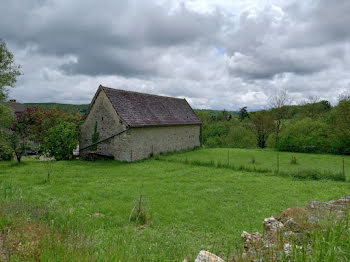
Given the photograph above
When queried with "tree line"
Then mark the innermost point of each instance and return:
(313, 126)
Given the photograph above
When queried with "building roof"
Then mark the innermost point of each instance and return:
(16, 107)
(139, 109)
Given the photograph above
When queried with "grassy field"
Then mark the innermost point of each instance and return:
(86, 205)
(265, 160)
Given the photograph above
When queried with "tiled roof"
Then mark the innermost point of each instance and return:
(138, 109)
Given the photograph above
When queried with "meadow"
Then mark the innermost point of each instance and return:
(265, 160)
(84, 207)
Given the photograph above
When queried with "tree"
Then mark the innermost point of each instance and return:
(8, 70)
(226, 115)
(313, 107)
(60, 140)
(17, 137)
(278, 103)
(341, 125)
(243, 113)
(43, 119)
(6, 116)
(263, 125)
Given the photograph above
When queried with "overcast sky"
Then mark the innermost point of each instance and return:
(216, 53)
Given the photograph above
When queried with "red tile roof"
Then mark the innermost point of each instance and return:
(138, 109)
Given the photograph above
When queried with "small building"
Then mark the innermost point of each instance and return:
(16, 107)
(133, 126)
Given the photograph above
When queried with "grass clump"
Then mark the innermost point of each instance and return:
(138, 213)
(313, 174)
(293, 160)
(252, 161)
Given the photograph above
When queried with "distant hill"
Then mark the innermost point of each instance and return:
(216, 112)
(64, 107)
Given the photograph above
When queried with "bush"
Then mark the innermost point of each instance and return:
(5, 153)
(228, 134)
(240, 137)
(60, 140)
(306, 135)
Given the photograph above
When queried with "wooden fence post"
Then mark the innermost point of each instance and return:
(228, 157)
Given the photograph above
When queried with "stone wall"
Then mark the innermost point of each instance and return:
(108, 124)
(146, 141)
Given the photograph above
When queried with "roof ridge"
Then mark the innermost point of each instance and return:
(135, 92)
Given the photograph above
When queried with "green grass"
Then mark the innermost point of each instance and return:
(188, 207)
(265, 161)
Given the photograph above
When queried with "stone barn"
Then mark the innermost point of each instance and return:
(133, 126)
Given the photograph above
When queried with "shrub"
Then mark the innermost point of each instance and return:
(306, 135)
(240, 137)
(60, 140)
(5, 153)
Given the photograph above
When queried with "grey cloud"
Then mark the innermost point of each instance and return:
(269, 63)
(67, 48)
(114, 38)
(304, 39)
(320, 22)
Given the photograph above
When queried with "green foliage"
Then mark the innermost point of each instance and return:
(340, 127)
(17, 137)
(6, 117)
(262, 125)
(5, 152)
(62, 107)
(306, 135)
(227, 134)
(60, 140)
(43, 119)
(240, 136)
(8, 70)
(95, 137)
